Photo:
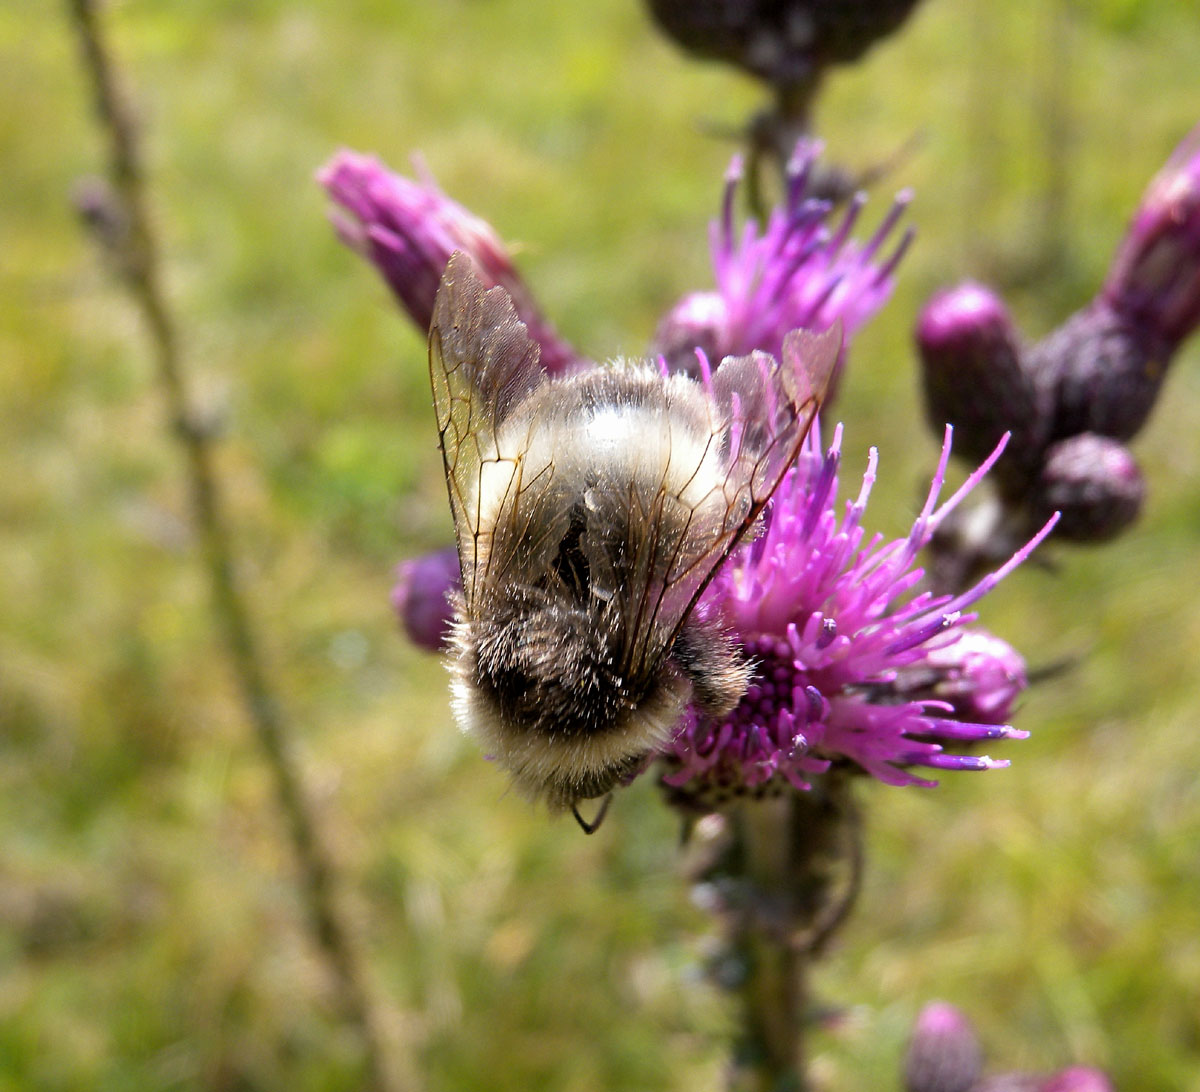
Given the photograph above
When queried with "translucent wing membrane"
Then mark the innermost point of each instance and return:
(482, 363)
(762, 410)
(768, 407)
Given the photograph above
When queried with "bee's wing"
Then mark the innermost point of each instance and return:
(762, 410)
(768, 407)
(482, 363)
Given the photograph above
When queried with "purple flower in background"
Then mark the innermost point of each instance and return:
(421, 596)
(944, 1054)
(408, 230)
(782, 42)
(797, 272)
(852, 663)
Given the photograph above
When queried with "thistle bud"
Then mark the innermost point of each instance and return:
(699, 321)
(408, 230)
(421, 596)
(944, 1053)
(783, 43)
(973, 379)
(1094, 482)
(980, 675)
(1155, 277)
(845, 31)
(1104, 370)
(1107, 362)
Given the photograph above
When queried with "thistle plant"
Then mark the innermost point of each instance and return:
(860, 663)
(1074, 399)
(857, 668)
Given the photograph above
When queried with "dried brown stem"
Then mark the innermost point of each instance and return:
(137, 257)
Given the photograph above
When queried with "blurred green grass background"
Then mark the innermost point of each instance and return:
(150, 935)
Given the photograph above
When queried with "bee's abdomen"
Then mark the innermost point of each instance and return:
(552, 667)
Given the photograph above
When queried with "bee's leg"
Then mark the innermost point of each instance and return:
(594, 825)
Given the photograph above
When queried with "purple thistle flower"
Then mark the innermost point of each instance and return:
(827, 616)
(796, 273)
(408, 230)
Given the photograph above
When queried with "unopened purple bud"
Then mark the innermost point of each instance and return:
(783, 43)
(1094, 482)
(421, 596)
(409, 230)
(974, 380)
(847, 31)
(1078, 1079)
(1104, 371)
(698, 321)
(1155, 277)
(944, 1053)
(980, 675)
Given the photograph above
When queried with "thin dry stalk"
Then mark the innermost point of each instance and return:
(136, 255)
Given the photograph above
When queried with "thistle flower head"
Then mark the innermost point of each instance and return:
(838, 632)
(798, 271)
(408, 230)
(1155, 277)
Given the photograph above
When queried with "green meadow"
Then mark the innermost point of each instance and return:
(151, 934)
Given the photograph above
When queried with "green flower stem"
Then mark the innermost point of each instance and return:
(800, 863)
